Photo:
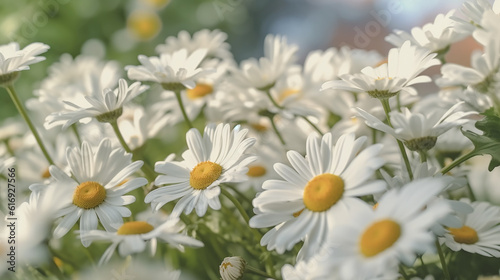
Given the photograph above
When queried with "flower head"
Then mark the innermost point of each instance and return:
(131, 237)
(232, 268)
(373, 242)
(403, 66)
(316, 192)
(98, 186)
(13, 59)
(212, 159)
(179, 67)
(105, 106)
(479, 233)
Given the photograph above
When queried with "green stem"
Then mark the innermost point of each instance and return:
(24, 114)
(236, 203)
(472, 197)
(258, 236)
(8, 147)
(240, 194)
(387, 109)
(183, 110)
(403, 272)
(146, 169)
(268, 93)
(257, 272)
(77, 134)
(423, 156)
(458, 161)
(273, 124)
(443, 261)
(119, 135)
(312, 125)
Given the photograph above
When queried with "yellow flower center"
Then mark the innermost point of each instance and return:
(199, 91)
(322, 192)
(89, 195)
(46, 174)
(204, 174)
(286, 93)
(144, 25)
(378, 237)
(256, 171)
(464, 235)
(136, 227)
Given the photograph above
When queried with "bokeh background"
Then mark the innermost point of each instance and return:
(121, 29)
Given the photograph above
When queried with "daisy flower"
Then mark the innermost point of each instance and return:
(372, 242)
(13, 59)
(473, 11)
(320, 188)
(131, 237)
(232, 268)
(213, 40)
(263, 73)
(98, 186)
(212, 159)
(416, 130)
(105, 106)
(436, 36)
(174, 71)
(479, 233)
(403, 67)
(482, 76)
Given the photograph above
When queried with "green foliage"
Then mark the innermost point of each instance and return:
(489, 142)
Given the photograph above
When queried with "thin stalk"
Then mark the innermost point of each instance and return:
(443, 261)
(8, 147)
(183, 110)
(146, 169)
(458, 161)
(237, 204)
(268, 93)
(273, 124)
(24, 114)
(312, 125)
(258, 236)
(472, 197)
(240, 194)
(423, 156)
(387, 109)
(119, 135)
(403, 272)
(77, 134)
(257, 272)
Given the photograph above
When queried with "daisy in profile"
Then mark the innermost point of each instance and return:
(13, 59)
(419, 132)
(213, 40)
(436, 36)
(479, 233)
(320, 189)
(132, 237)
(212, 159)
(403, 67)
(97, 185)
(105, 106)
(175, 71)
(372, 242)
(263, 73)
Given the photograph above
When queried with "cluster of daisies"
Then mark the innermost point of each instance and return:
(336, 168)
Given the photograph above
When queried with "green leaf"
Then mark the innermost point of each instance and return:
(489, 142)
